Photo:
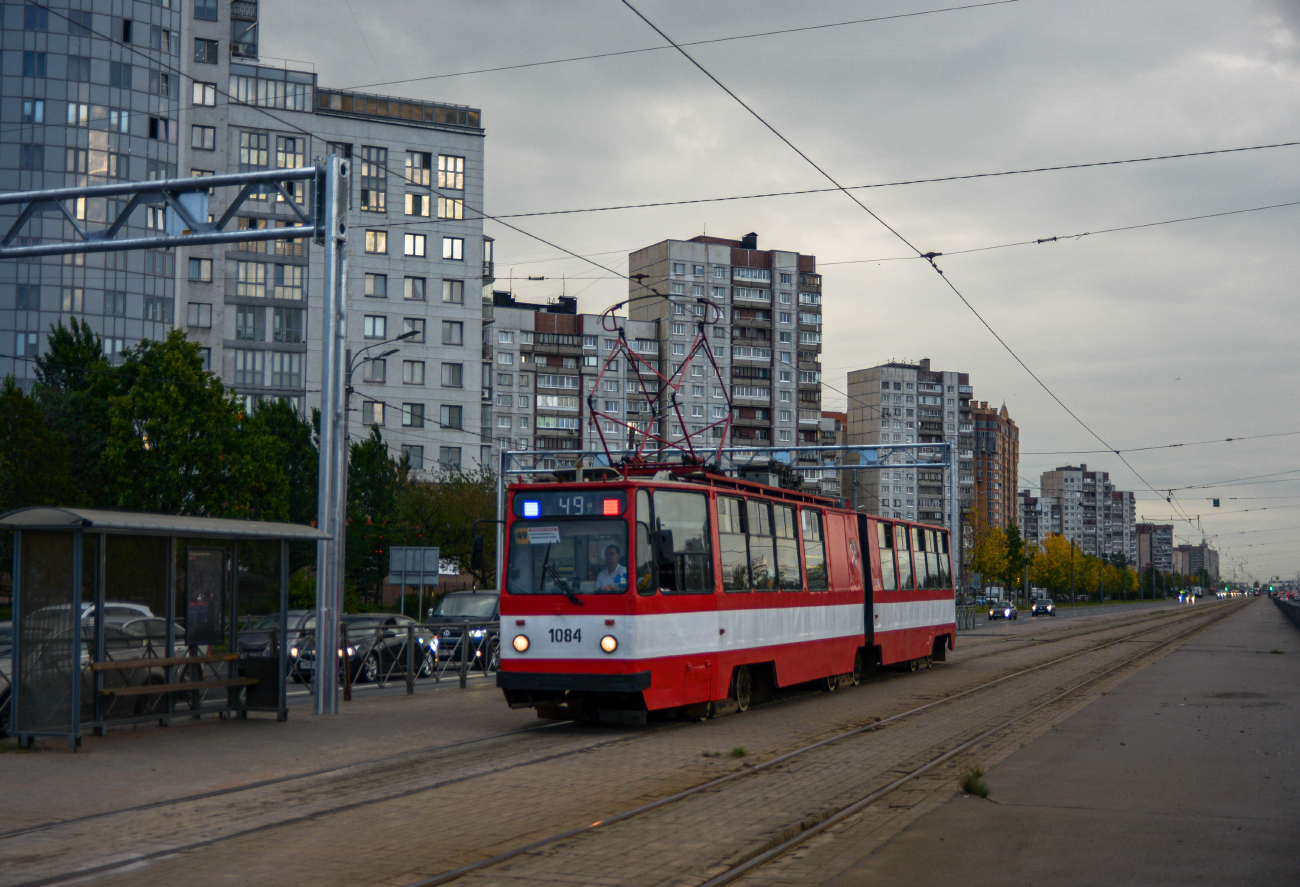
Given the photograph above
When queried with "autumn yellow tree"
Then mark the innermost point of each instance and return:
(988, 549)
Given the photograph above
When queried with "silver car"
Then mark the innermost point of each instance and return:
(1003, 610)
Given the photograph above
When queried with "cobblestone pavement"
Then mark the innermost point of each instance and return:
(434, 809)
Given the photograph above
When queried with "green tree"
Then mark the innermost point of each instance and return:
(300, 457)
(1015, 556)
(443, 512)
(374, 479)
(35, 460)
(179, 444)
(74, 386)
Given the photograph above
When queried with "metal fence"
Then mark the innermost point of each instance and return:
(966, 618)
(384, 654)
(1290, 609)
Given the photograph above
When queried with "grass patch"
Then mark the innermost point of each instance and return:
(1278, 652)
(711, 754)
(739, 752)
(10, 747)
(972, 781)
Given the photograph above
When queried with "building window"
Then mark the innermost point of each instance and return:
(453, 332)
(249, 367)
(288, 282)
(417, 204)
(78, 114)
(374, 179)
(449, 416)
(205, 94)
(449, 457)
(36, 18)
(417, 167)
(286, 369)
(198, 315)
(413, 415)
(372, 413)
(453, 292)
(33, 64)
(413, 245)
(163, 130)
(453, 375)
(451, 172)
(33, 111)
(206, 10)
(450, 208)
(79, 68)
(453, 248)
(375, 326)
(205, 51)
(203, 138)
(414, 456)
(412, 372)
(250, 324)
(374, 371)
(250, 280)
(505, 358)
(287, 325)
(414, 325)
(115, 304)
(376, 241)
(413, 289)
(377, 286)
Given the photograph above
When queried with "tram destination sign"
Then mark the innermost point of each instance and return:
(570, 503)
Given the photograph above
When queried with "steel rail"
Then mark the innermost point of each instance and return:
(454, 874)
(857, 806)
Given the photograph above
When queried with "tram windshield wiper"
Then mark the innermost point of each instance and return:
(549, 568)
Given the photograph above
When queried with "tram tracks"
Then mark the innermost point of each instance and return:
(532, 848)
(359, 782)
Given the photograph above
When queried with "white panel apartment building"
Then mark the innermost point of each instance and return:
(906, 403)
(113, 90)
(542, 362)
(415, 254)
(1087, 509)
(767, 343)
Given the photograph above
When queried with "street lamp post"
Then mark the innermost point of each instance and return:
(350, 365)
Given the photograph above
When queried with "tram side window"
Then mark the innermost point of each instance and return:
(919, 561)
(885, 538)
(945, 563)
(732, 548)
(762, 559)
(645, 555)
(932, 559)
(684, 558)
(787, 549)
(814, 550)
(904, 554)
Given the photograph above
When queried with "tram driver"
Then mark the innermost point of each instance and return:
(614, 575)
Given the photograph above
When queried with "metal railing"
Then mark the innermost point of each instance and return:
(966, 617)
(1290, 609)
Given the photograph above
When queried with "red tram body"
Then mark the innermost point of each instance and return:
(691, 590)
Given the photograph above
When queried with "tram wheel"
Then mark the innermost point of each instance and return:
(832, 683)
(856, 677)
(742, 688)
(913, 664)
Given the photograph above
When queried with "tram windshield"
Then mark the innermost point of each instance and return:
(568, 557)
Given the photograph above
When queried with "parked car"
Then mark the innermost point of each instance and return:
(255, 638)
(1003, 610)
(376, 645)
(1043, 607)
(461, 607)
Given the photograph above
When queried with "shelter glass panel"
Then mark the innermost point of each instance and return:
(45, 643)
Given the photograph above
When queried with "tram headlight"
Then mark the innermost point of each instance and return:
(520, 643)
(609, 643)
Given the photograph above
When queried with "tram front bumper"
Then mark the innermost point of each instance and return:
(555, 682)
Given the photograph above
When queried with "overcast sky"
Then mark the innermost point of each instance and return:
(1170, 334)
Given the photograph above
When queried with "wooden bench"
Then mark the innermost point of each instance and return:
(177, 687)
(183, 687)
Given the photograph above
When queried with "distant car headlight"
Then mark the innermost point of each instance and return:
(478, 633)
(609, 643)
(520, 643)
(293, 651)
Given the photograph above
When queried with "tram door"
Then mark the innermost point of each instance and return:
(866, 545)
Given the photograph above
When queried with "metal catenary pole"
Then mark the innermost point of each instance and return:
(330, 514)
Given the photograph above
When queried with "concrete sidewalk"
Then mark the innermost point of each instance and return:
(1186, 773)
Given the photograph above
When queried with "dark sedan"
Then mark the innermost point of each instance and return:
(480, 608)
(376, 645)
(1043, 607)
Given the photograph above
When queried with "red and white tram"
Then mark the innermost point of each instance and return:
(687, 589)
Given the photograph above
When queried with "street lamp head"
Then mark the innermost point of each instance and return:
(389, 353)
(406, 335)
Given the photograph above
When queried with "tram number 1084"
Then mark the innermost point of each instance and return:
(566, 635)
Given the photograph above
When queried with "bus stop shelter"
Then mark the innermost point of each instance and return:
(122, 618)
